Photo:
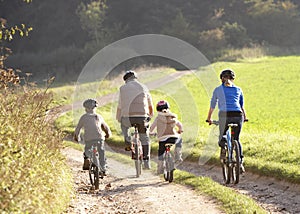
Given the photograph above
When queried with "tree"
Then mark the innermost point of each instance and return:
(8, 76)
(91, 18)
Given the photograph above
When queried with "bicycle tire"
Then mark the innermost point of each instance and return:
(137, 161)
(226, 169)
(236, 162)
(168, 168)
(94, 176)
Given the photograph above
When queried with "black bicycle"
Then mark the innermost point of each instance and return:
(136, 151)
(231, 164)
(95, 172)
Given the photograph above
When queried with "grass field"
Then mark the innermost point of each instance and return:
(270, 139)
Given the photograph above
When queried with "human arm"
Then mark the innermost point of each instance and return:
(118, 113)
(150, 106)
(179, 126)
(77, 130)
(153, 126)
(106, 129)
(210, 111)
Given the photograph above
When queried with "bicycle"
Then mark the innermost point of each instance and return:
(95, 170)
(136, 151)
(168, 160)
(231, 165)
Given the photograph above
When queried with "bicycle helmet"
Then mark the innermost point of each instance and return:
(90, 103)
(129, 74)
(161, 105)
(227, 73)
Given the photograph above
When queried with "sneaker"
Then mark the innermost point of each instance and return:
(242, 169)
(86, 164)
(223, 154)
(127, 148)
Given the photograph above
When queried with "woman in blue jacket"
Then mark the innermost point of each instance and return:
(230, 100)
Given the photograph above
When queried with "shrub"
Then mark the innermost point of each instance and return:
(34, 176)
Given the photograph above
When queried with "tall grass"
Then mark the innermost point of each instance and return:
(34, 176)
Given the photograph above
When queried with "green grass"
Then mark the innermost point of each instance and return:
(270, 139)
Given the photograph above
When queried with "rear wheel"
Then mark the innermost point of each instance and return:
(235, 163)
(94, 176)
(137, 161)
(168, 168)
(226, 169)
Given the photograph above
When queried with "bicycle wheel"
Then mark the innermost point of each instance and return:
(94, 175)
(137, 161)
(226, 169)
(171, 168)
(166, 167)
(235, 162)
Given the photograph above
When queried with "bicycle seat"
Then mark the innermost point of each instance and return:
(232, 125)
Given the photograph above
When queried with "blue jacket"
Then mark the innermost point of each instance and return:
(228, 98)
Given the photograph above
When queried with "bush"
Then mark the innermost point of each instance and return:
(34, 176)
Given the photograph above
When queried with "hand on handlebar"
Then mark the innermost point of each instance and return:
(208, 121)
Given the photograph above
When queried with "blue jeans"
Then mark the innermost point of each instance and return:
(223, 127)
(101, 152)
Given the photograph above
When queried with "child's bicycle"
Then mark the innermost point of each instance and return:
(231, 165)
(168, 160)
(136, 151)
(95, 171)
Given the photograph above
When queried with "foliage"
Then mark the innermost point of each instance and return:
(34, 176)
(91, 17)
(87, 26)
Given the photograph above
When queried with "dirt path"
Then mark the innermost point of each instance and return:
(122, 192)
(273, 195)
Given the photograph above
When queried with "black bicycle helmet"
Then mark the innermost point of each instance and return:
(129, 74)
(161, 105)
(90, 103)
(227, 73)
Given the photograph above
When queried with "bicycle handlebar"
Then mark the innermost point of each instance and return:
(215, 122)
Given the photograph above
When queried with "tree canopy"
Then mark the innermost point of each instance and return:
(86, 26)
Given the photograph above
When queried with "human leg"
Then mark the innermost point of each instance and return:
(178, 150)
(101, 151)
(143, 127)
(160, 154)
(222, 136)
(125, 125)
(86, 155)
